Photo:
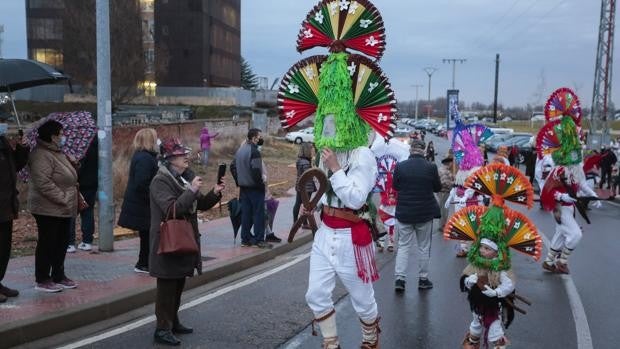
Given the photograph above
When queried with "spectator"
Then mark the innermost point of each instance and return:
(446, 176)
(430, 152)
(52, 200)
(11, 161)
(136, 211)
(415, 180)
(173, 186)
(87, 179)
(608, 160)
(502, 155)
(304, 162)
(248, 170)
(270, 202)
(205, 144)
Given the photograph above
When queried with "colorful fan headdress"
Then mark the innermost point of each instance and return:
(560, 136)
(498, 223)
(346, 90)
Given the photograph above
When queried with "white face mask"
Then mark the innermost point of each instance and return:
(158, 142)
(62, 142)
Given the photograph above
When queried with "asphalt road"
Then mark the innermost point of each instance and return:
(265, 308)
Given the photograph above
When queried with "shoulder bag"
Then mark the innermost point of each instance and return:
(177, 236)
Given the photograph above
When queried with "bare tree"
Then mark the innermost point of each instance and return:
(127, 57)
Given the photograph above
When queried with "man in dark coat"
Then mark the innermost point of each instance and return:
(88, 180)
(11, 161)
(608, 160)
(415, 180)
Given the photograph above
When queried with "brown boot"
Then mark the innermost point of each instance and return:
(549, 267)
(2, 298)
(561, 268)
(471, 342)
(501, 343)
(370, 334)
(327, 324)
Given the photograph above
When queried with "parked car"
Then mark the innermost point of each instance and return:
(298, 137)
(514, 139)
(498, 139)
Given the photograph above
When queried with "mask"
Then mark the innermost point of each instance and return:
(260, 148)
(3, 129)
(158, 142)
(63, 141)
(329, 126)
(260, 142)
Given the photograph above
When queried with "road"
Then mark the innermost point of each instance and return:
(265, 307)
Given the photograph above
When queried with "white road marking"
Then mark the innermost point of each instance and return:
(198, 301)
(612, 203)
(584, 338)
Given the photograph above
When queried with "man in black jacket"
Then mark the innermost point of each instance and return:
(415, 180)
(608, 160)
(11, 161)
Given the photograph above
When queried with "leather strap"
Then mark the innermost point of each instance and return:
(342, 213)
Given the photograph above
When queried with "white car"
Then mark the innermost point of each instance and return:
(298, 137)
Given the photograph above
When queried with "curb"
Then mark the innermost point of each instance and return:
(28, 330)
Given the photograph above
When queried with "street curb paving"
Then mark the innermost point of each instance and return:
(28, 330)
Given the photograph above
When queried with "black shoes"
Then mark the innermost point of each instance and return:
(399, 285)
(263, 245)
(166, 337)
(424, 284)
(180, 329)
(272, 238)
(8, 292)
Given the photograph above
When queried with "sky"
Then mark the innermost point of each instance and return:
(553, 41)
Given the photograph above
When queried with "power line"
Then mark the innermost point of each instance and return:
(514, 20)
(485, 33)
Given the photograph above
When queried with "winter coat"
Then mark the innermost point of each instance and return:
(446, 178)
(302, 165)
(89, 168)
(205, 139)
(247, 167)
(11, 161)
(415, 180)
(53, 182)
(165, 191)
(136, 212)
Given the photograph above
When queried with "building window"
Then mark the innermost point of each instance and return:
(45, 29)
(49, 56)
(46, 4)
(230, 16)
(147, 5)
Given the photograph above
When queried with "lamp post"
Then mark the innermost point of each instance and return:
(429, 71)
(416, 100)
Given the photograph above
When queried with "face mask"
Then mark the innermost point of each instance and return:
(260, 148)
(158, 142)
(3, 129)
(260, 142)
(63, 141)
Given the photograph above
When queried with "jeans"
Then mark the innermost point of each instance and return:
(424, 236)
(87, 218)
(6, 237)
(333, 254)
(51, 248)
(605, 177)
(252, 214)
(205, 157)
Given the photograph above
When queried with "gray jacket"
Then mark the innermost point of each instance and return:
(165, 191)
(249, 167)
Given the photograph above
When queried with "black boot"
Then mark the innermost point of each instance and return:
(180, 329)
(166, 337)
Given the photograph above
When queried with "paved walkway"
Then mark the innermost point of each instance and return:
(108, 285)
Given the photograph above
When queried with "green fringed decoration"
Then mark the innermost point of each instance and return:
(570, 147)
(492, 227)
(336, 98)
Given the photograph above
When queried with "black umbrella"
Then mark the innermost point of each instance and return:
(17, 74)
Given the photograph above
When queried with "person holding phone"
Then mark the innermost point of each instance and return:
(176, 186)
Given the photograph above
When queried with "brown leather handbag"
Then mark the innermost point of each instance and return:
(176, 236)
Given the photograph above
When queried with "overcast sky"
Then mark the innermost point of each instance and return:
(551, 38)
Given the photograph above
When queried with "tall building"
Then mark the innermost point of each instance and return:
(181, 43)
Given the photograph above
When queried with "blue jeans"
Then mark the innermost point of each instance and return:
(252, 213)
(87, 219)
(205, 157)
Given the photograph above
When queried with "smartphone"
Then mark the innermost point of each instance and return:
(221, 171)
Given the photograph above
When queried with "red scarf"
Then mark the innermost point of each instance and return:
(362, 246)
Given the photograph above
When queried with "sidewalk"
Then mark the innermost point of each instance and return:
(108, 285)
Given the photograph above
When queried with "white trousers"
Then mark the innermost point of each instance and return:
(496, 331)
(424, 235)
(332, 254)
(568, 233)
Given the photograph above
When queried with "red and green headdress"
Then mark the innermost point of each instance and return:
(560, 136)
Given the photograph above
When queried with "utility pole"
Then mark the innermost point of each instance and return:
(601, 97)
(1, 33)
(453, 62)
(104, 124)
(496, 86)
(416, 100)
(429, 71)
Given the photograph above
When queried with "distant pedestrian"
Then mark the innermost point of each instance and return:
(175, 188)
(248, 170)
(52, 200)
(608, 160)
(11, 161)
(415, 180)
(446, 176)
(205, 143)
(136, 211)
(430, 152)
(88, 182)
(304, 162)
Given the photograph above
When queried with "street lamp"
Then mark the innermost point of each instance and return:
(429, 71)
(416, 100)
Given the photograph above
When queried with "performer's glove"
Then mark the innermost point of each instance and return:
(471, 280)
(597, 204)
(489, 292)
(567, 198)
